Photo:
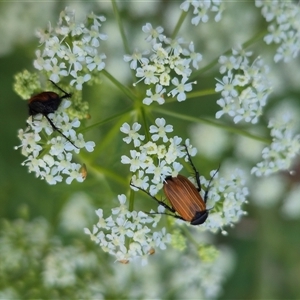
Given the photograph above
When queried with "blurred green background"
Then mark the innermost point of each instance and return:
(265, 243)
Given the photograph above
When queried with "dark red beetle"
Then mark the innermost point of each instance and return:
(186, 202)
(46, 103)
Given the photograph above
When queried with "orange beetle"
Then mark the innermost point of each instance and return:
(186, 202)
(185, 199)
(46, 103)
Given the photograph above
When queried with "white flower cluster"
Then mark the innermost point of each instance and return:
(202, 8)
(53, 160)
(225, 197)
(71, 49)
(284, 148)
(284, 28)
(59, 269)
(169, 65)
(153, 159)
(244, 88)
(203, 279)
(125, 233)
(159, 161)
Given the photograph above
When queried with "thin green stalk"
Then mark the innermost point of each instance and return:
(213, 123)
(121, 26)
(109, 136)
(188, 234)
(130, 208)
(195, 94)
(201, 93)
(109, 119)
(131, 199)
(107, 173)
(123, 88)
(179, 23)
(255, 38)
(144, 121)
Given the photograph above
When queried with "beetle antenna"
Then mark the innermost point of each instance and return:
(166, 206)
(55, 128)
(209, 183)
(197, 175)
(66, 95)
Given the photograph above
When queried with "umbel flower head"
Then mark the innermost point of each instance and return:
(169, 65)
(113, 232)
(153, 161)
(283, 30)
(72, 49)
(51, 158)
(244, 87)
(285, 146)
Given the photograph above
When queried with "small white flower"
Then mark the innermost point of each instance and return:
(148, 74)
(95, 62)
(195, 57)
(136, 161)
(79, 80)
(136, 57)
(160, 171)
(140, 180)
(227, 86)
(201, 9)
(158, 96)
(153, 34)
(74, 173)
(132, 134)
(181, 88)
(160, 131)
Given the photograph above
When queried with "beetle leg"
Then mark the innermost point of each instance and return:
(174, 216)
(197, 175)
(154, 198)
(55, 128)
(208, 187)
(66, 95)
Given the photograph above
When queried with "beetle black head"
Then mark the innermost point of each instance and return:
(200, 217)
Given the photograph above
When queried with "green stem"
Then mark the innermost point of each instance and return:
(121, 26)
(188, 235)
(109, 119)
(195, 94)
(109, 136)
(130, 208)
(131, 199)
(123, 88)
(179, 23)
(107, 173)
(255, 38)
(201, 93)
(144, 121)
(213, 123)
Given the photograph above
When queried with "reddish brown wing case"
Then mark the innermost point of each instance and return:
(184, 197)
